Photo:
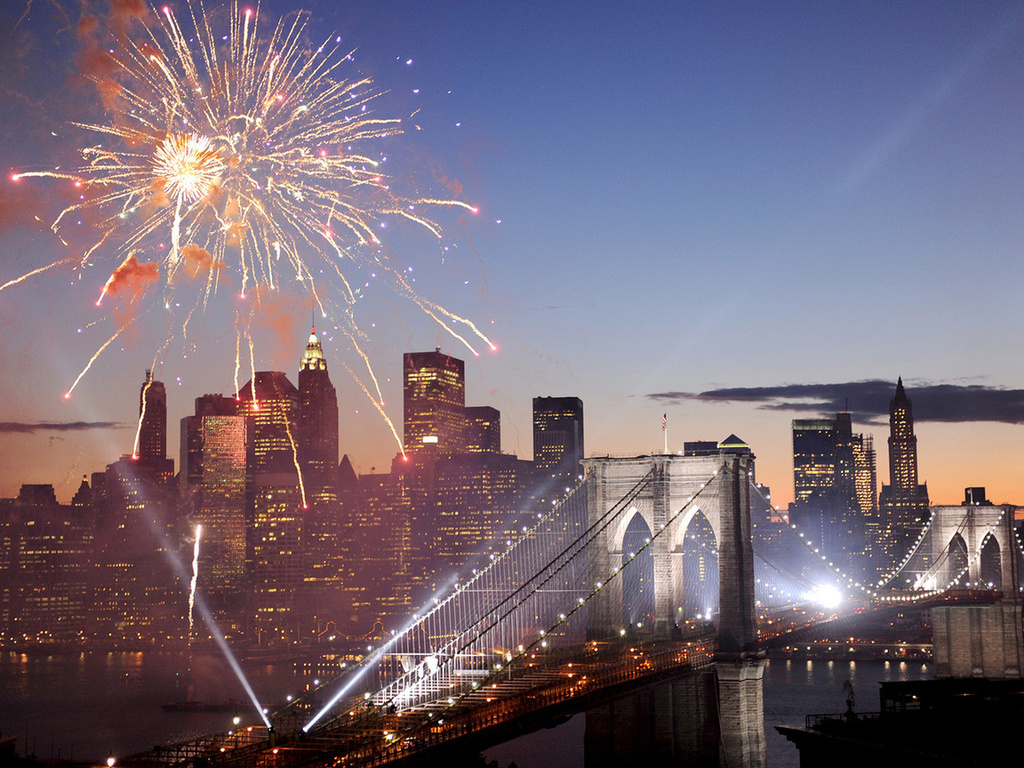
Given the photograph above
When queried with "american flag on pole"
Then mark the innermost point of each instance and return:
(664, 422)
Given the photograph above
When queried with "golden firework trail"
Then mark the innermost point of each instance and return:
(295, 461)
(27, 275)
(239, 158)
(95, 355)
(142, 413)
(379, 405)
(195, 579)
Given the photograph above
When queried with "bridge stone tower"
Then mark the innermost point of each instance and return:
(674, 480)
(977, 640)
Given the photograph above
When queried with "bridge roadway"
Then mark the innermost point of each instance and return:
(552, 685)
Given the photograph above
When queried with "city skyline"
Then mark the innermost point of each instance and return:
(698, 209)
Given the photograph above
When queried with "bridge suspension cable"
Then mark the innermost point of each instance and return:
(530, 594)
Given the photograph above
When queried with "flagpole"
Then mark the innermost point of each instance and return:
(664, 431)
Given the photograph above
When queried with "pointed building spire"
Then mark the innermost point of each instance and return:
(901, 394)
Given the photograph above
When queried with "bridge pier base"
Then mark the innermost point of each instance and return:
(741, 710)
(978, 640)
(662, 726)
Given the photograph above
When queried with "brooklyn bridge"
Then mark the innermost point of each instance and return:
(584, 609)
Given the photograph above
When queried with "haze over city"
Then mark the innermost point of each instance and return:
(730, 216)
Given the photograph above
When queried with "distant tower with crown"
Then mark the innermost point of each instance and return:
(903, 504)
(317, 422)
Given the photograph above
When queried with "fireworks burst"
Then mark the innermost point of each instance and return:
(246, 162)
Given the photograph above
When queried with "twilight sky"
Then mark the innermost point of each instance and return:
(735, 214)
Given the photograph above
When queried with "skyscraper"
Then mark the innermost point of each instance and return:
(152, 420)
(903, 504)
(829, 461)
(375, 546)
(434, 387)
(478, 504)
(814, 461)
(483, 429)
(275, 514)
(902, 446)
(151, 451)
(318, 459)
(45, 552)
(557, 440)
(270, 400)
(317, 423)
(192, 438)
(279, 560)
(865, 474)
(213, 456)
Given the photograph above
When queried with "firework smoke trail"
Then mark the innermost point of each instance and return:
(251, 149)
(192, 585)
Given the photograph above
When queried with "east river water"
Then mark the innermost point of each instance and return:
(91, 705)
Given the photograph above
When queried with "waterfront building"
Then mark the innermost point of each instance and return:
(44, 564)
(137, 595)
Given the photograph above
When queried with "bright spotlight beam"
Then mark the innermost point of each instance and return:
(827, 596)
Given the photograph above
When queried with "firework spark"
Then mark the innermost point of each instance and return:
(243, 159)
(195, 579)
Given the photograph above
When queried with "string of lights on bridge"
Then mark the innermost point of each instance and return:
(919, 593)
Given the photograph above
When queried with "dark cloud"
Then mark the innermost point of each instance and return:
(29, 427)
(869, 400)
